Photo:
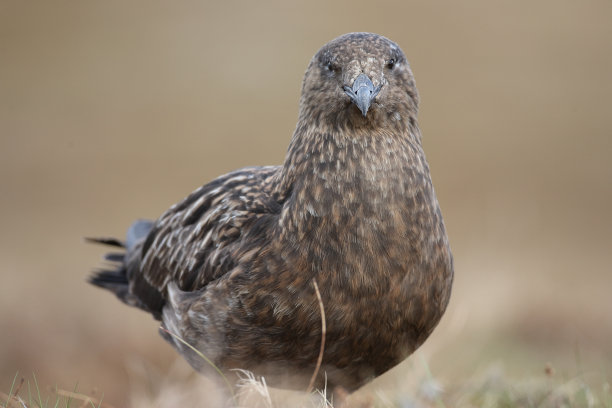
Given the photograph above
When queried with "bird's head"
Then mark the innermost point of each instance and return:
(359, 78)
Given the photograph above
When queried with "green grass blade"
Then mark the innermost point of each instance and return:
(10, 394)
(99, 402)
(57, 397)
(74, 391)
(40, 403)
(29, 394)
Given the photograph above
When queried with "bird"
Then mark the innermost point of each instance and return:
(334, 266)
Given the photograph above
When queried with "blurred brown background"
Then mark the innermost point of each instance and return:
(114, 110)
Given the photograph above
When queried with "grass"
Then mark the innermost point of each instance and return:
(490, 389)
(34, 398)
(539, 392)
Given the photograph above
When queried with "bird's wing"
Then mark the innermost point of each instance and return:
(200, 239)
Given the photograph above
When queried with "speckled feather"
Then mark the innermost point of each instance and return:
(230, 268)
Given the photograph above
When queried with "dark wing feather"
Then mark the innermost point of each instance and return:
(200, 239)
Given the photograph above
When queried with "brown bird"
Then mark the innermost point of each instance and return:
(230, 269)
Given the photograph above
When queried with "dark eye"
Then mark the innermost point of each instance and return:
(330, 66)
(391, 63)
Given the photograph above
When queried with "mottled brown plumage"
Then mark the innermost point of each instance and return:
(230, 268)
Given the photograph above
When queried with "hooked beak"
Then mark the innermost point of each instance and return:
(362, 93)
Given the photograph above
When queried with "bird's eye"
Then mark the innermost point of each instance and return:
(330, 66)
(391, 63)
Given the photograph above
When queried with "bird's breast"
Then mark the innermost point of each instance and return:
(362, 209)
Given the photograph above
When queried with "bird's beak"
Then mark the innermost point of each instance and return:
(362, 93)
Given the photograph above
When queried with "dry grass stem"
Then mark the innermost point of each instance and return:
(323, 331)
(12, 401)
(87, 400)
(253, 391)
(201, 355)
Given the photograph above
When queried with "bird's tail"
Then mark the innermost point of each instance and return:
(114, 276)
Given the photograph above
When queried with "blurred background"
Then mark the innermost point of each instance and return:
(112, 111)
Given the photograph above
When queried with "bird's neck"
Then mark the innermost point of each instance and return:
(361, 173)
